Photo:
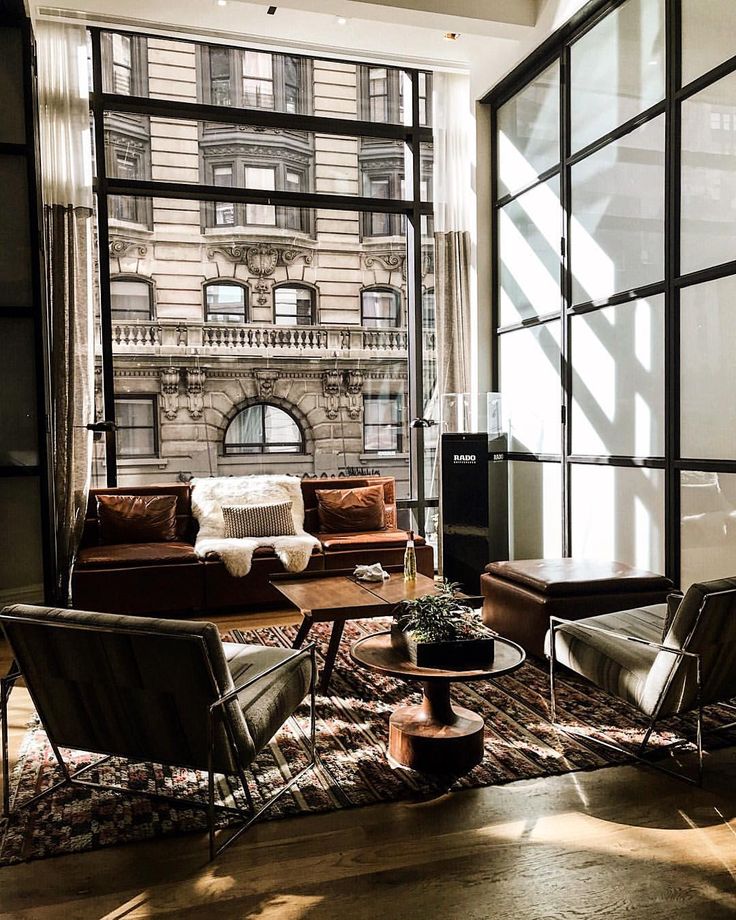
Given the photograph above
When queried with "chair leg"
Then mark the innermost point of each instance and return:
(4, 693)
(552, 697)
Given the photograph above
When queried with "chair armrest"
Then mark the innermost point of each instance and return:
(674, 599)
(231, 694)
(614, 635)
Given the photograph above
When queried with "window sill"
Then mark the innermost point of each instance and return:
(271, 459)
(378, 456)
(128, 462)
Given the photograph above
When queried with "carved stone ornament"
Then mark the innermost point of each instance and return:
(261, 259)
(331, 391)
(391, 261)
(170, 391)
(120, 248)
(354, 389)
(261, 289)
(266, 381)
(195, 390)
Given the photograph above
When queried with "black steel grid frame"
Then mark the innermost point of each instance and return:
(558, 48)
(12, 16)
(414, 209)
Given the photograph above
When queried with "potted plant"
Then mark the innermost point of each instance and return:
(439, 631)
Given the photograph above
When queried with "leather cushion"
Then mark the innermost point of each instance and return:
(120, 555)
(384, 539)
(136, 518)
(570, 577)
(351, 510)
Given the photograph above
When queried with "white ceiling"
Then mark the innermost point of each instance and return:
(493, 34)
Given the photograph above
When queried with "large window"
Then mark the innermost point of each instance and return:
(293, 305)
(137, 433)
(281, 308)
(225, 302)
(383, 426)
(131, 298)
(380, 308)
(613, 319)
(256, 79)
(264, 429)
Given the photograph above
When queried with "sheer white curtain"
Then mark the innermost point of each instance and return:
(66, 179)
(452, 124)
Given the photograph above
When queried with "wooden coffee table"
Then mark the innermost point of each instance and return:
(335, 597)
(434, 736)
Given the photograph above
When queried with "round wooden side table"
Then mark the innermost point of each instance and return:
(434, 736)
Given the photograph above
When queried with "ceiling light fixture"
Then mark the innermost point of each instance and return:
(222, 2)
(341, 21)
(451, 36)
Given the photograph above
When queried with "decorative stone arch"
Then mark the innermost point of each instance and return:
(299, 417)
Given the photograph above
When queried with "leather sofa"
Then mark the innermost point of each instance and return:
(169, 579)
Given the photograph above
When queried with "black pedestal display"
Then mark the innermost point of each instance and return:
(473, 506)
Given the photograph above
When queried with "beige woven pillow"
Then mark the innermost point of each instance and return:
(259, 520)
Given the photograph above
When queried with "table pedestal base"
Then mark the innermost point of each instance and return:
(435, 736)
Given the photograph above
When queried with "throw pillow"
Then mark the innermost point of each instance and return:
(136, 518)
(259, 520)
(351, 510)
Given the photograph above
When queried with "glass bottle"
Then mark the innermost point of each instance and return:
(410, 560)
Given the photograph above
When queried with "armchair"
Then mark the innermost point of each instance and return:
(665, 660)
(160, 691)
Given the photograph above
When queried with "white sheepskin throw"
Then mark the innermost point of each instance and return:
(208, 497)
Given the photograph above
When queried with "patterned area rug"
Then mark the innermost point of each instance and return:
(352, 732)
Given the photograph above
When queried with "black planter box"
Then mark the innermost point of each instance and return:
(461, 655)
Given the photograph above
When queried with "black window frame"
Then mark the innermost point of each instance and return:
(671, 462)
(412, 211)
(250, 448)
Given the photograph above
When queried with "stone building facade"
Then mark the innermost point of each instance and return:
(249, 337)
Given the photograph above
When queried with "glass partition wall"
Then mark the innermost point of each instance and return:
(266, 264)
(615, 300)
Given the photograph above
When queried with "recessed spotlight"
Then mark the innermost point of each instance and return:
(342, 21)
(222, 2)
(451, 36)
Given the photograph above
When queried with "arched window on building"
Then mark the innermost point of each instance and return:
(380, 308)
(131, 298)
(225, 302)
(293, 305)
(262, 428)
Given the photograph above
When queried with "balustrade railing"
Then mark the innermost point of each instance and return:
(171, 335)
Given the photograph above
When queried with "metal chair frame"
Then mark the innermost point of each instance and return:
(215, 712)
(556, 623)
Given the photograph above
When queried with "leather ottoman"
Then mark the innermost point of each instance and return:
(519, 597)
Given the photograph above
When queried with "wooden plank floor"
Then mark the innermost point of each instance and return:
(622, 843)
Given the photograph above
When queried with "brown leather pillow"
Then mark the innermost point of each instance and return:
(136, 518)
(351, 510)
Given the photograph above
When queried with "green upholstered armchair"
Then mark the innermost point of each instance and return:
(666, 660)
(158, 691)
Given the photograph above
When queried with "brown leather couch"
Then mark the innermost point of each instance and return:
(169, 578)
(520, 596)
